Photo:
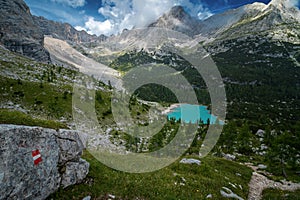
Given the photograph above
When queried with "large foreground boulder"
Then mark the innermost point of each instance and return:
(35, 162)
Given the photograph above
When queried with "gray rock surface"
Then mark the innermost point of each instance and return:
(190, 161)
(261, 166)
(18, 32)
(229, 157)
(260, 182)
(87, 198)
(75, 173)
(70, 146)
(60, 163)
(227, 193)
(260, 133)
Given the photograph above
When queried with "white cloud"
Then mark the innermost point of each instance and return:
(72, 3)
(93, 26)
(204, 14)
(97, 27)
(80, 28)
(127, 14)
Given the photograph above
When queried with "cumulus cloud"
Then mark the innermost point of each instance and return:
(97, 27)
(80, 28)
(72, 3)
(128, 14)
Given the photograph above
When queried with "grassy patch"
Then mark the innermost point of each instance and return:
(274, 194)
(178, 181)
(19, 118)
(42, 99)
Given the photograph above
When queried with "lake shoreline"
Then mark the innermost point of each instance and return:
(192, 113)
(176, 105)
(171, 108)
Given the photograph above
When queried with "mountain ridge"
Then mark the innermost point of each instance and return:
(274, 20)
(65, 31)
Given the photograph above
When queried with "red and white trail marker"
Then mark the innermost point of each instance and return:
(37, 157)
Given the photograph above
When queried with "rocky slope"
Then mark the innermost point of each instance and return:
(18, 32)
(218, 23)
(63, 52)
(35, 162)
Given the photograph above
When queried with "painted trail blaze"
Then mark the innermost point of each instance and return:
(37, 158)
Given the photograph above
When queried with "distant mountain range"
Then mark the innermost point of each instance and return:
(249, 19)
(21, 32)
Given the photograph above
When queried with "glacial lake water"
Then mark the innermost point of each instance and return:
(192, 113)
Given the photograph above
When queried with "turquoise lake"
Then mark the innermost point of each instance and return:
(192, 113)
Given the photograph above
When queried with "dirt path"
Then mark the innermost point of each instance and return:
(259, 182)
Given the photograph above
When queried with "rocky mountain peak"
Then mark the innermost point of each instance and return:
(179, 20)
(178, 12)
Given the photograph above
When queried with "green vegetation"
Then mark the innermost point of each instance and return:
(178, 181)
(158, 93)
(19, 118)
(262, 85)
(278, 149)
(273, 194)
(47, 101)
(262, 82)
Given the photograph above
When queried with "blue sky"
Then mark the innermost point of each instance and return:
(112, 16)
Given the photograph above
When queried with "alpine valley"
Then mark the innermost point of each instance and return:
(256, 49)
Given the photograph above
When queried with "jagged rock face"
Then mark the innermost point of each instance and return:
(19, 33)
(247, 20)
(216, 24)
(64, 31)
(178, 20)
(274, 20)
(35, 162)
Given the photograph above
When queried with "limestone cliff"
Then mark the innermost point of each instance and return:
(18, 32)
